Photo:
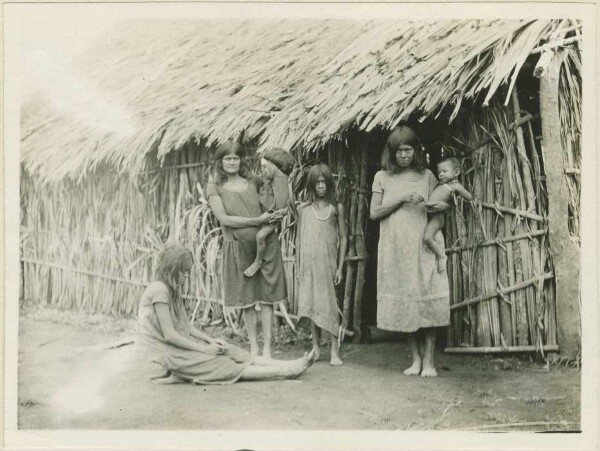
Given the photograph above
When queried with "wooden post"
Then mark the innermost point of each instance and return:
(565, 252)
(361, 249)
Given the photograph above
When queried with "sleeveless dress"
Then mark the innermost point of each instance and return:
(317, 249)
(411, 293)
(195, 366)
(239, 251)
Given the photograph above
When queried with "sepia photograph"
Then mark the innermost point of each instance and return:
(299, 222)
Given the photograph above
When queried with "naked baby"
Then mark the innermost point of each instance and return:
(276, 165)
(442, 198)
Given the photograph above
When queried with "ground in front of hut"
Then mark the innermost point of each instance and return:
(70, 378)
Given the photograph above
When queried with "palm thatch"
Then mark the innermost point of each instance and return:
(296, 83)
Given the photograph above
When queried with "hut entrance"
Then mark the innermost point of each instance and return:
(432, 135)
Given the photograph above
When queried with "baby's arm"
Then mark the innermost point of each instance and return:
(461, 191)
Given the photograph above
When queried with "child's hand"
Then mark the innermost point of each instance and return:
(338, 277)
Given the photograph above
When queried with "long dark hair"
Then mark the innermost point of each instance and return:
(172, 261)
(320, 169)
(229, 148)
(402, 135)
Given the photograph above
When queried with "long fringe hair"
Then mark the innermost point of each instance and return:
(320, 169)
(172, 261)
(229, 148)
(402, 135)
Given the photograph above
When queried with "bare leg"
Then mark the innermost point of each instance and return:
(315, 334)
(172, 379)
(415, 368)
(428, 355)
(250, 324)
(261, 244)
(435, 223)
(266, 316)
(292, 370)
(335, 354)
(164, 373)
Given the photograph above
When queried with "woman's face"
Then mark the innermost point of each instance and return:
(321, 186)
(404, 155)
(231, 164)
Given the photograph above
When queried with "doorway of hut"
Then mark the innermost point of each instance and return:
(432, 133)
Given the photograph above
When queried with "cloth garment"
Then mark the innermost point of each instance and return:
(194, 366)
(317, 264)
(239, 251)
(411, 293)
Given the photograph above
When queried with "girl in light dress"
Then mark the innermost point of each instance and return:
(322, 250)
(186, 353)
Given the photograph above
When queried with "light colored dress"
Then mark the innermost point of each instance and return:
(411, 293)
(195, 366)
(318, 248)
(239, 251)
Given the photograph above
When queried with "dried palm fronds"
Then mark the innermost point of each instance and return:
(313, 82)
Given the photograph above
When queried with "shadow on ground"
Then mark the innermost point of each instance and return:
(68, 379)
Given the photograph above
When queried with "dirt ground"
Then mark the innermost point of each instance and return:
(70, 379)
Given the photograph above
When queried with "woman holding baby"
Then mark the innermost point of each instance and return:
(412, 294)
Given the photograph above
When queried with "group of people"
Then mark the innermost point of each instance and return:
(412, 284)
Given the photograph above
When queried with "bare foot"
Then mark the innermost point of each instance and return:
(414, 370)
(172, 379)
(336, 361)
(441, 264)
(309, 359)
(429, 372)
(252, 269)
(165, 373)
(317, 352)
(302, 364)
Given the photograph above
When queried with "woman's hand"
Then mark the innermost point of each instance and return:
(277, 215)
(339, 275)
(214, 349)
(412, 198)
(220, 343)
(437, 206)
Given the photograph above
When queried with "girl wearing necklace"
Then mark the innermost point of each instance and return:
(322, 250)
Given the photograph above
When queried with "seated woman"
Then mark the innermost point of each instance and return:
(187, 354)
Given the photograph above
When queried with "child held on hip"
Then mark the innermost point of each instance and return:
(440, 200)
(276, 165)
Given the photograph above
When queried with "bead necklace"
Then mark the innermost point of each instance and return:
(318, 217)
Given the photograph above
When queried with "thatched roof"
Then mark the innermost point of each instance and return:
(161, 83)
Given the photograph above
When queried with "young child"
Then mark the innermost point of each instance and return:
(442, 196)
(321, 250)
(276, 166)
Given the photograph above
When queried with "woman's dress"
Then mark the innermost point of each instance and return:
(317, 249)
(239, 251)
(411, 293)
(194, 366)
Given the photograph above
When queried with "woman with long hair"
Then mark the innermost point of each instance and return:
(412, 296)
(233, 195)
(186, 353)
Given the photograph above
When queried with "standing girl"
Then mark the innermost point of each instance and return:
(322, 250)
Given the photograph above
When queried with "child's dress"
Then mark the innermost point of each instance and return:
(318, 248)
